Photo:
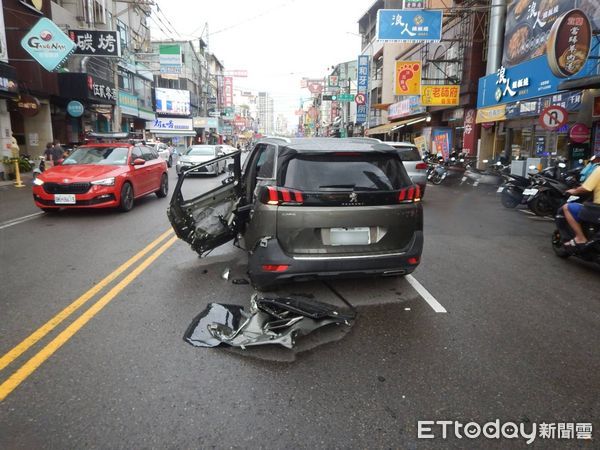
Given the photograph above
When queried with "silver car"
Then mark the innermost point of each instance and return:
(197, 154)
(413, 163)
(310, 208)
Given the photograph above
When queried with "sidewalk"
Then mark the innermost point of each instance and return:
(16, 202)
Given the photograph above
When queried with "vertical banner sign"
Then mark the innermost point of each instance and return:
(400, 25)
(227, 92)
(3, 49)
(469, 132)
(362, 88)
(442, 141)
(170, 58)
(408, 78)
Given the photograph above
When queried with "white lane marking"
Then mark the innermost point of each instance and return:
(17, 221)
(526, 211)
(435, 305)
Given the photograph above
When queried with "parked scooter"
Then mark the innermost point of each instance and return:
(590, 221)
(491, 176)
(547, 195)
(512, 191)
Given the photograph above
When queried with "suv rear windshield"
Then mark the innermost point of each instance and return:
(409, 153)
(360, 172)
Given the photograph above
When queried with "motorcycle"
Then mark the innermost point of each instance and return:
(551, 185)
(590, 221)
(513, 189)
(452, 170)
(491, 176)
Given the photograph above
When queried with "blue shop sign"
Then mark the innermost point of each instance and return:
(47, 44)
(527, 80)
(75, 108)
(362, 83)
(571, 101)
(400, 25)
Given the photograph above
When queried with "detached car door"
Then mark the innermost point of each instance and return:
(210, 219)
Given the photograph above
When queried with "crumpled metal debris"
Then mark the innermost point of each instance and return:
(269, 321)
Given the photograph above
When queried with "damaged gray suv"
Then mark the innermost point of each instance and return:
(310, 208)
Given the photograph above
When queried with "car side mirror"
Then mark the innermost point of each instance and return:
(59, 162)
(139, 162)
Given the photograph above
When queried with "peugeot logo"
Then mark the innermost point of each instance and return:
(353, 197)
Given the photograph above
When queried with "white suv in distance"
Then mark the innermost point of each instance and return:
(163, 150)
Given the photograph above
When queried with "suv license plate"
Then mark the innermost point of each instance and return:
(350, 236)
(64, 199)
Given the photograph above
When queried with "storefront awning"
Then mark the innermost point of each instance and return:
(491, 114)
(381, 129)
(171, 133)
(382, 106)
(592, 82)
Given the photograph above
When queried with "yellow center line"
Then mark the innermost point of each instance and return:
(22, 347)
(38, 359)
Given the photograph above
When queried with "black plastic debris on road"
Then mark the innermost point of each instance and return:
(269, 321)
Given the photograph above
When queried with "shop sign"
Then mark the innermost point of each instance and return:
(8, 80)
(96, 43)
(47, 44)
(569, 43)
(579, 133)
(440, 95)
(529, 26)
(169, 56)
(34, 5)
(492, 114)
(333, 81)
(413, 4)
(226, 129)
(227, 91)
(469, 132)
(450, 115)
(553, 117)
(128, 103)
(172, 101)
(362, 88)
(75, 108)
(421, 144)
(528, 80)
(169, 123)
(315, 87)
(408, 78)
(398, 25)
(571, 101)
(28, 105)
(101, 89)
(407, 107)
(205, 122)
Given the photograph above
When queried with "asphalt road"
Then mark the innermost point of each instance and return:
(518, 343)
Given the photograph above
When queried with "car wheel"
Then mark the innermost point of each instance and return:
(164, 186)
(126, 203)
(170, 161)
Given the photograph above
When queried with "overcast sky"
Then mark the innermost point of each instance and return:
(277, 41)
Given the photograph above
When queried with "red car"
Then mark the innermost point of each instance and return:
(105, 175)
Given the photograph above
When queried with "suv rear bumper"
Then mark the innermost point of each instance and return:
(328, 266)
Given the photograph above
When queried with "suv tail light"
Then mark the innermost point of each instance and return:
(421, 166)
(411, 194)
(272, 195)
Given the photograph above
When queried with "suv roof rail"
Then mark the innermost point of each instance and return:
(281, 138)
(365, 139)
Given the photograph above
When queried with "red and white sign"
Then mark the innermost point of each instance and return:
(227, 92)
(315, 88)
(579, 133)
(553, 117)
(360, 98)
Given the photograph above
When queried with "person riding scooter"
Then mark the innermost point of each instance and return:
(572, 211)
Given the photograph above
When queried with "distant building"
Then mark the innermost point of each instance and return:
(265, 113)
